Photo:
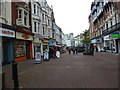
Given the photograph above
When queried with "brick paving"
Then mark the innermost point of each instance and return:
(69, 71)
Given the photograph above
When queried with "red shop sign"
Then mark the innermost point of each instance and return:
(25, 36)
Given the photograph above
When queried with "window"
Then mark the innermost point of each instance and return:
(37, 10)
(20, 48)
(43, 31)
(24, 15)
(34, 8)
(38, 27)
(35, 27)
(25, 18)
(20, 13)
(48, 22)
(43, 16)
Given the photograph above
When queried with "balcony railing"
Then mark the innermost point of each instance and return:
(111, 29)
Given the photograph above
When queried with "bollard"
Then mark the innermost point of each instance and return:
(15, 75)
(3, 80)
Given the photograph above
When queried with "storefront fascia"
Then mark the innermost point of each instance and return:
(23, 46)
(45, 44)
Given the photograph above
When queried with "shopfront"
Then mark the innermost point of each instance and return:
(116, 38)
(7, 45)
(23, 46)
(45, 44)
(37, 46)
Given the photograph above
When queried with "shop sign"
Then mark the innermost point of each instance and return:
(93, 41)
(23, 36)
(19, 21)
(115, 35)
(45, 42)
(36, 40)
(7, 32)
(50, 43)
(99, 40)
(108, 37)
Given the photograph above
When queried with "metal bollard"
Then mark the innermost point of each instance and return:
(15, 75)
(3, 80)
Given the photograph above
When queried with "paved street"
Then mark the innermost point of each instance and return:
(69, 71)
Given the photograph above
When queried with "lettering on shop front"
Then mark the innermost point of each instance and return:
(7, 32)
(25, 36)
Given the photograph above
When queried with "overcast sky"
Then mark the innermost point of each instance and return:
(71, 15)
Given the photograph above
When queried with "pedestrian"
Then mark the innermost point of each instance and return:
(51, 53)
(54, 53)
(73, 50)
(76, 50)
(58, 54)
(96, 49)
(69, 50)
(91, 49)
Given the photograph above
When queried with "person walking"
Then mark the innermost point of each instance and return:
(73, 50)
(54, 53)
(69, 50)
(91, 49)
(76, 50)
(96, 49)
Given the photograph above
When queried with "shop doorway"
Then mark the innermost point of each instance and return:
(7, 50)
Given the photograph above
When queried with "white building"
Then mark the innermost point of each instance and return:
(37, 27)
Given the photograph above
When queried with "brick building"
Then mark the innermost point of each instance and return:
(104, 25)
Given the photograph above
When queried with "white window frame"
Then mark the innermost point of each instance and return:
(22, 16)
(34, 9)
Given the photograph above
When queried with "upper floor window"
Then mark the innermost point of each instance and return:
(39, 27)
(35, 27)
(43, 16)
(48, 22)
(43, 31)
(24, 15)
(38, 10)
(25, 18)
(34, 8)
(20, 13)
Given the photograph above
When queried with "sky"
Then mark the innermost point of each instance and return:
(71, 15)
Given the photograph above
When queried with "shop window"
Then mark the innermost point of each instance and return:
(20, 48)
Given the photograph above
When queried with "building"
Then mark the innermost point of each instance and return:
(77, 40)
(104, 25)
(21, 19)
(7, 32)
(37, 27)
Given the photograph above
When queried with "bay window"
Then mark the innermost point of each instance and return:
(24, 15)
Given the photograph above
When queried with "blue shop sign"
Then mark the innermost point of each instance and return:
(50, 43)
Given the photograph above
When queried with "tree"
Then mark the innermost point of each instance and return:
(86, 37)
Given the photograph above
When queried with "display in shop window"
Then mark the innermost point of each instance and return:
(20, 49)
